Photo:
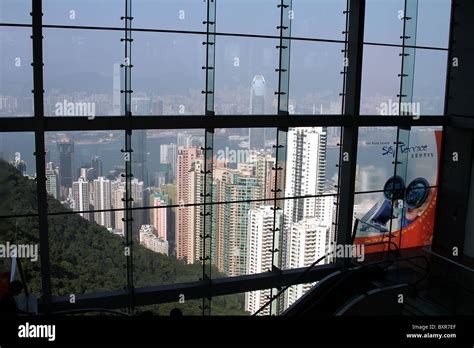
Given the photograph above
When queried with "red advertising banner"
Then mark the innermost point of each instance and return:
(406, 209)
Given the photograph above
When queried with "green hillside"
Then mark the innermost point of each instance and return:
(86, 257)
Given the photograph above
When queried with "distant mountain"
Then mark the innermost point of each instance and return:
(86, 257)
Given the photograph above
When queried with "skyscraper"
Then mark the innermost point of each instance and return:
(19, 164)
(139, 156)
(305, 172)
(102, 201)
(118, 196)
(306, 230)
(52, 180)
(66, 164)
(159, 215)
(98, 167)
(259, 256)
(184, 139)
(263, 162)
(306, 242)
(141, 106)
(233, 185)
(257, 107)
(169, 155)
(81, 197)
(184, 215)
(117, 202)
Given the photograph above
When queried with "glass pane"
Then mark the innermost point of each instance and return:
(323, 19)
(103, 13)
(170, 14)
(315, 78)
(429, 87)
(167, 74)
(433, 23)
(16, 73)
(383, 21)
(248, 17)
(380, 81)
(90, 85)
(15, 11)
(246, 80)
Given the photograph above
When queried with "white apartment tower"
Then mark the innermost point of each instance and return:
(80, 195)
(102, 201)
(305, 173)
(306, 243)
(308, 221)
(259, 256)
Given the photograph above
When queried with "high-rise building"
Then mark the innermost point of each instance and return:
(305, 172)
(184, 215)
(169, 155)
(157, 107)
(102, 201)
(98, 166)
(161, 178)
(118, 196)
(140, 106)
(139, 156)
(263, 163)
(184, 140)
(259, 255)
(81, 197)
(231, 220)
(19, 164)
(118, 202)
(52, 180)
(257, 107)
(66, 164)
(158, 217)
(306, 242)
(196, 186)
(86, 172)
(305, 237)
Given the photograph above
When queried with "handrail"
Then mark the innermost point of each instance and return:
(294, 282)
(354, 270)
(367, 294)
(381, 262)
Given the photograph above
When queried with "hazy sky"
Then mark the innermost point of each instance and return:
(82, 60)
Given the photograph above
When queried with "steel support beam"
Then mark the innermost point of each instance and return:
(19, 124)
(193, 290)
(351, 110)
(40, 153)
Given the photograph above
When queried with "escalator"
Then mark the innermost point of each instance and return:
(372, 289)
